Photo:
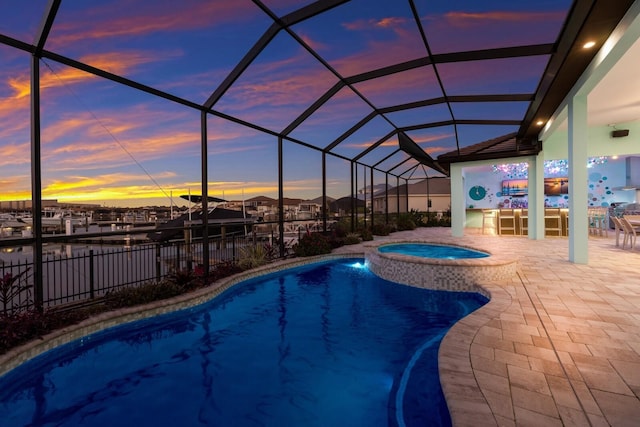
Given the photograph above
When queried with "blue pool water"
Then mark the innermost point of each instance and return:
(326, 344)
(428, 250)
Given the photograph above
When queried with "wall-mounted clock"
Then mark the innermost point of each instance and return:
(477, 192)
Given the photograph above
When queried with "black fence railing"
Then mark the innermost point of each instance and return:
(85, 275)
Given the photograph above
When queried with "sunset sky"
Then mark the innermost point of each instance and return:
(111, 145)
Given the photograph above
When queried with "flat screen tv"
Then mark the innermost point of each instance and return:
(515, 187)
(556, 186)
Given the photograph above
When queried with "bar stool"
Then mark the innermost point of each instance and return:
(507, 221)
(553, 221)
(619, 228)
(597, 218)
(524, 222)
(593, 222)
(489, 220)
(630, 233)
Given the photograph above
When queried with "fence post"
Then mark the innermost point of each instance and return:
(177, 256)
(233, 242)
(158, 272)
(91, 280)
(187, 246)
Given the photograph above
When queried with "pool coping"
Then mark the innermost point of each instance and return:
(496, 258)
(467, 401)
(463, 395)
(465, 398)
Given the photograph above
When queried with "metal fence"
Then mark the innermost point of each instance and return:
(89, 274)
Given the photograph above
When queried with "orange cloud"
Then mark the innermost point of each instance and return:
(15, 187)
(402, 44)
(433, 151)
(392, 22)
(392, 142)
(98, 154)
(465, 19)
(274, 94)
(113, 21)
(15, 154)
(14, 126)
(88, 141)
(313, 44)
(425, 139)
(120, 187)
(293, 83)
(115, 62)
(459, 30)
(107, 186)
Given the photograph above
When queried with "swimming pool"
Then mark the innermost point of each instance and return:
(328, 343)
(429, 250)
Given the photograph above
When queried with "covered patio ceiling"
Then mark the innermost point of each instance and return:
(388, 85)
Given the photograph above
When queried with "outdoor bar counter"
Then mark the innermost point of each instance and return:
(508, 221)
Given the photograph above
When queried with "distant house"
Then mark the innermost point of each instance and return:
(433, 195)
(344, 205)
(267, 208)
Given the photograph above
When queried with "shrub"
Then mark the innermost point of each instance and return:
(312, 244)
(352, 239)
(271, 252)
(21, 327)
(186, 279)
(420, 219)
(11, 286)
(380, 229)
(365, 234)
(336, 242)
(143, 294)
(341, 228)
(18, 328)
(224, 269)
(252, 256)
(405, 222)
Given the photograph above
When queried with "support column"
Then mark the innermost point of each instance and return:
(536, 197)
(324, 191)
(458, 206)
(578, 189)
(281, 196)
(371, 194)
(397, 197)
(205, 192)
(386, 197)
(353, 203)
(36, 184)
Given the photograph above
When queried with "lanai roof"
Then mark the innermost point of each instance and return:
(390, 85)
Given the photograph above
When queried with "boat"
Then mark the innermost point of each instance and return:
(220, 220)
(57, 218)
(11, 226)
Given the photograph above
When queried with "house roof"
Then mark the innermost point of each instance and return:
(318, 200)
(497, 148)
(432, 186)
(261, 199)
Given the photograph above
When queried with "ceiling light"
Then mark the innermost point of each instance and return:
(539, 122)
(589, 45)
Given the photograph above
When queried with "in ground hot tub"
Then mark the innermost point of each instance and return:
(439, 266)
(431, 250)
